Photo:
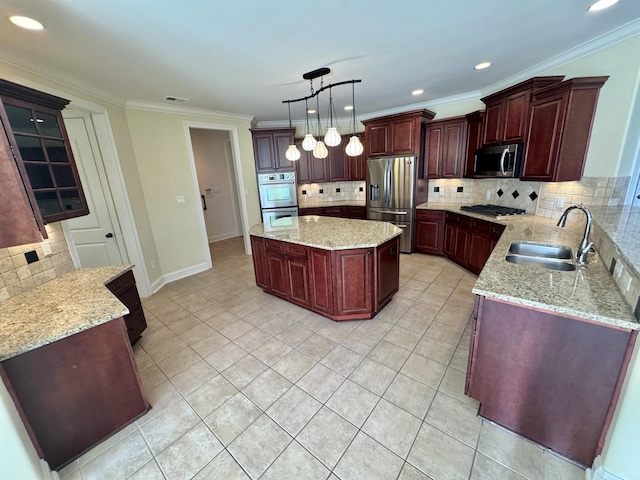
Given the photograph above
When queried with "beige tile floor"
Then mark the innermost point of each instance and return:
(245, 385)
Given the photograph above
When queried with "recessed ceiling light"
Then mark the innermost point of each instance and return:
(482, 66)
(26, 22)
(311, 110)
(348, 107)
(417, 91)
(601, 5)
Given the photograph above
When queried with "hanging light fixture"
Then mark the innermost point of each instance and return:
(292, 154)
(332, 137)
(354, 147)
(320, 150)
(309, 141)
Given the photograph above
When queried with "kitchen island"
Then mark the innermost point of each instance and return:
(341, 268)
(67, 363)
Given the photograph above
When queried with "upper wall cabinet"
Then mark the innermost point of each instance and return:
(474, 140)
(398, 134)
(269, 148)
(445, 148)
(33, 127)
(507, 112)
(560, 124)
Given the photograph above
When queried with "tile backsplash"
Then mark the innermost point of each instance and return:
(17, 276)
(315, 193)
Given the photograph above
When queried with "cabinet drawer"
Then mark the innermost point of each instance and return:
(481, 226)
(130, 298)
(299, 251)
(136, 324)
(435, 215)
(122, 283)
(274, 245)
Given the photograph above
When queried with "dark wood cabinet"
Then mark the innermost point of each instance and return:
(269, 149)
(124, 287)
(356, 166)
(470, 241)
(398, 134)
(340, 284)
(34, 131)
(507, 111)
(445, 148)
(333, 168)
(560, 124)
(474, 141)
(535, 372)
(342, 211)
(429, 232)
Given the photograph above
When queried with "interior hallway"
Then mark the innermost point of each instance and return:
(245, 385)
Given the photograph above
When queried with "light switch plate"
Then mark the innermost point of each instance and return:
(46, 248)
(180, 198)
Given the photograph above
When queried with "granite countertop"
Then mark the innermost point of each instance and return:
(334, 203)
(328, 233)
(588, 292)
(59, 308)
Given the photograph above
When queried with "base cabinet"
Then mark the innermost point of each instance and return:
(544, 376)
(341, 211)
(124, 287)
(339, 284)
(429, 232)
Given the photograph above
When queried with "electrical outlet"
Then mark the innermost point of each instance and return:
(153, 264)
(180, 198)
(46, 248)
(488, 196)
(441, 191)
(560, 202)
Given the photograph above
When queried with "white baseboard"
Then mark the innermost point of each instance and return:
(223, 236)
(597, 472)
(157, 285)
(47, 473)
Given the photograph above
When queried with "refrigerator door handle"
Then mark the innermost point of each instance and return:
(389, 186)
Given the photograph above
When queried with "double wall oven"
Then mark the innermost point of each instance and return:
(278, 195)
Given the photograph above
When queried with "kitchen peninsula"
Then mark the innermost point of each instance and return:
(341, 268)
(67, 362)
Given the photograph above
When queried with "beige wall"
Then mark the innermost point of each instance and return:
(160, 147)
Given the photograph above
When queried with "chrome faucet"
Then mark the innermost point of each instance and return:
(585, 245)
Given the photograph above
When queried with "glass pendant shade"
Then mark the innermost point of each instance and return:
(292, 153)
(320, 150)
(332, 138)
(309, 142)
(354, 147)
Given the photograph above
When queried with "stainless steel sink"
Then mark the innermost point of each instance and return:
(544, 262)
(541, 251)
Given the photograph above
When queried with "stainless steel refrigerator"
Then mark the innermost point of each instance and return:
(391, 183)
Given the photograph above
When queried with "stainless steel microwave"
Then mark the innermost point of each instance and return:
(501, 161)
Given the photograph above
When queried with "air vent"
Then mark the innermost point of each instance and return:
(176, 99)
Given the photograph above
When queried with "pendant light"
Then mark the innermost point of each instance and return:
(292, 154)
(354, 147)
(320, 149)
(332, 138)
(309, 141)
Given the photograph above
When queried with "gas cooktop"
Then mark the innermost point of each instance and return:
(493, 210)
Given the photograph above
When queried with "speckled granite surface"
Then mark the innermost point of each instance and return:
(334, 203)
(622, 226)
(59, 308)
(588, 292)
(328, 232)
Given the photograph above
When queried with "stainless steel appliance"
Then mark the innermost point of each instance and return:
(391, 182)
(499, 161)
(278, 195)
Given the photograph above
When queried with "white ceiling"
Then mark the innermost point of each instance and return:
(246, 56)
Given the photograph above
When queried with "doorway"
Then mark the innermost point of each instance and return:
(214, 154)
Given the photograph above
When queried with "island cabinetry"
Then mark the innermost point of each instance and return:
(73, 393)
(429, 236)
(445, 143)
(398, 134)
(552, 378)
(346, 284)
(124, 287)
(507, 111)
(269, 149)
(560, 124)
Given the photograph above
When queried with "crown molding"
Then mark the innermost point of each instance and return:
(618, 35)
(191, 111)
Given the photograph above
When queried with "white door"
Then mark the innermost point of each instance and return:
(97, 236)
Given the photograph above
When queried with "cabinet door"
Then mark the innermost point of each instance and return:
(321, 281)
(516, 114)
(432, 151)
(450, 232)
(404, 137)
(260, 263)
(304, 168)
(357, 166)
(454, 153)
(281, 142)
(298, 274)
(474, 141)
(264, 152)
(358, 213)
(336, 163)
(377, 137)
(278, 273)
(479, 250)
(492, 123)
(354, 279)
(320, 169)
(429, 236)
(332, 212)
(388, 261)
